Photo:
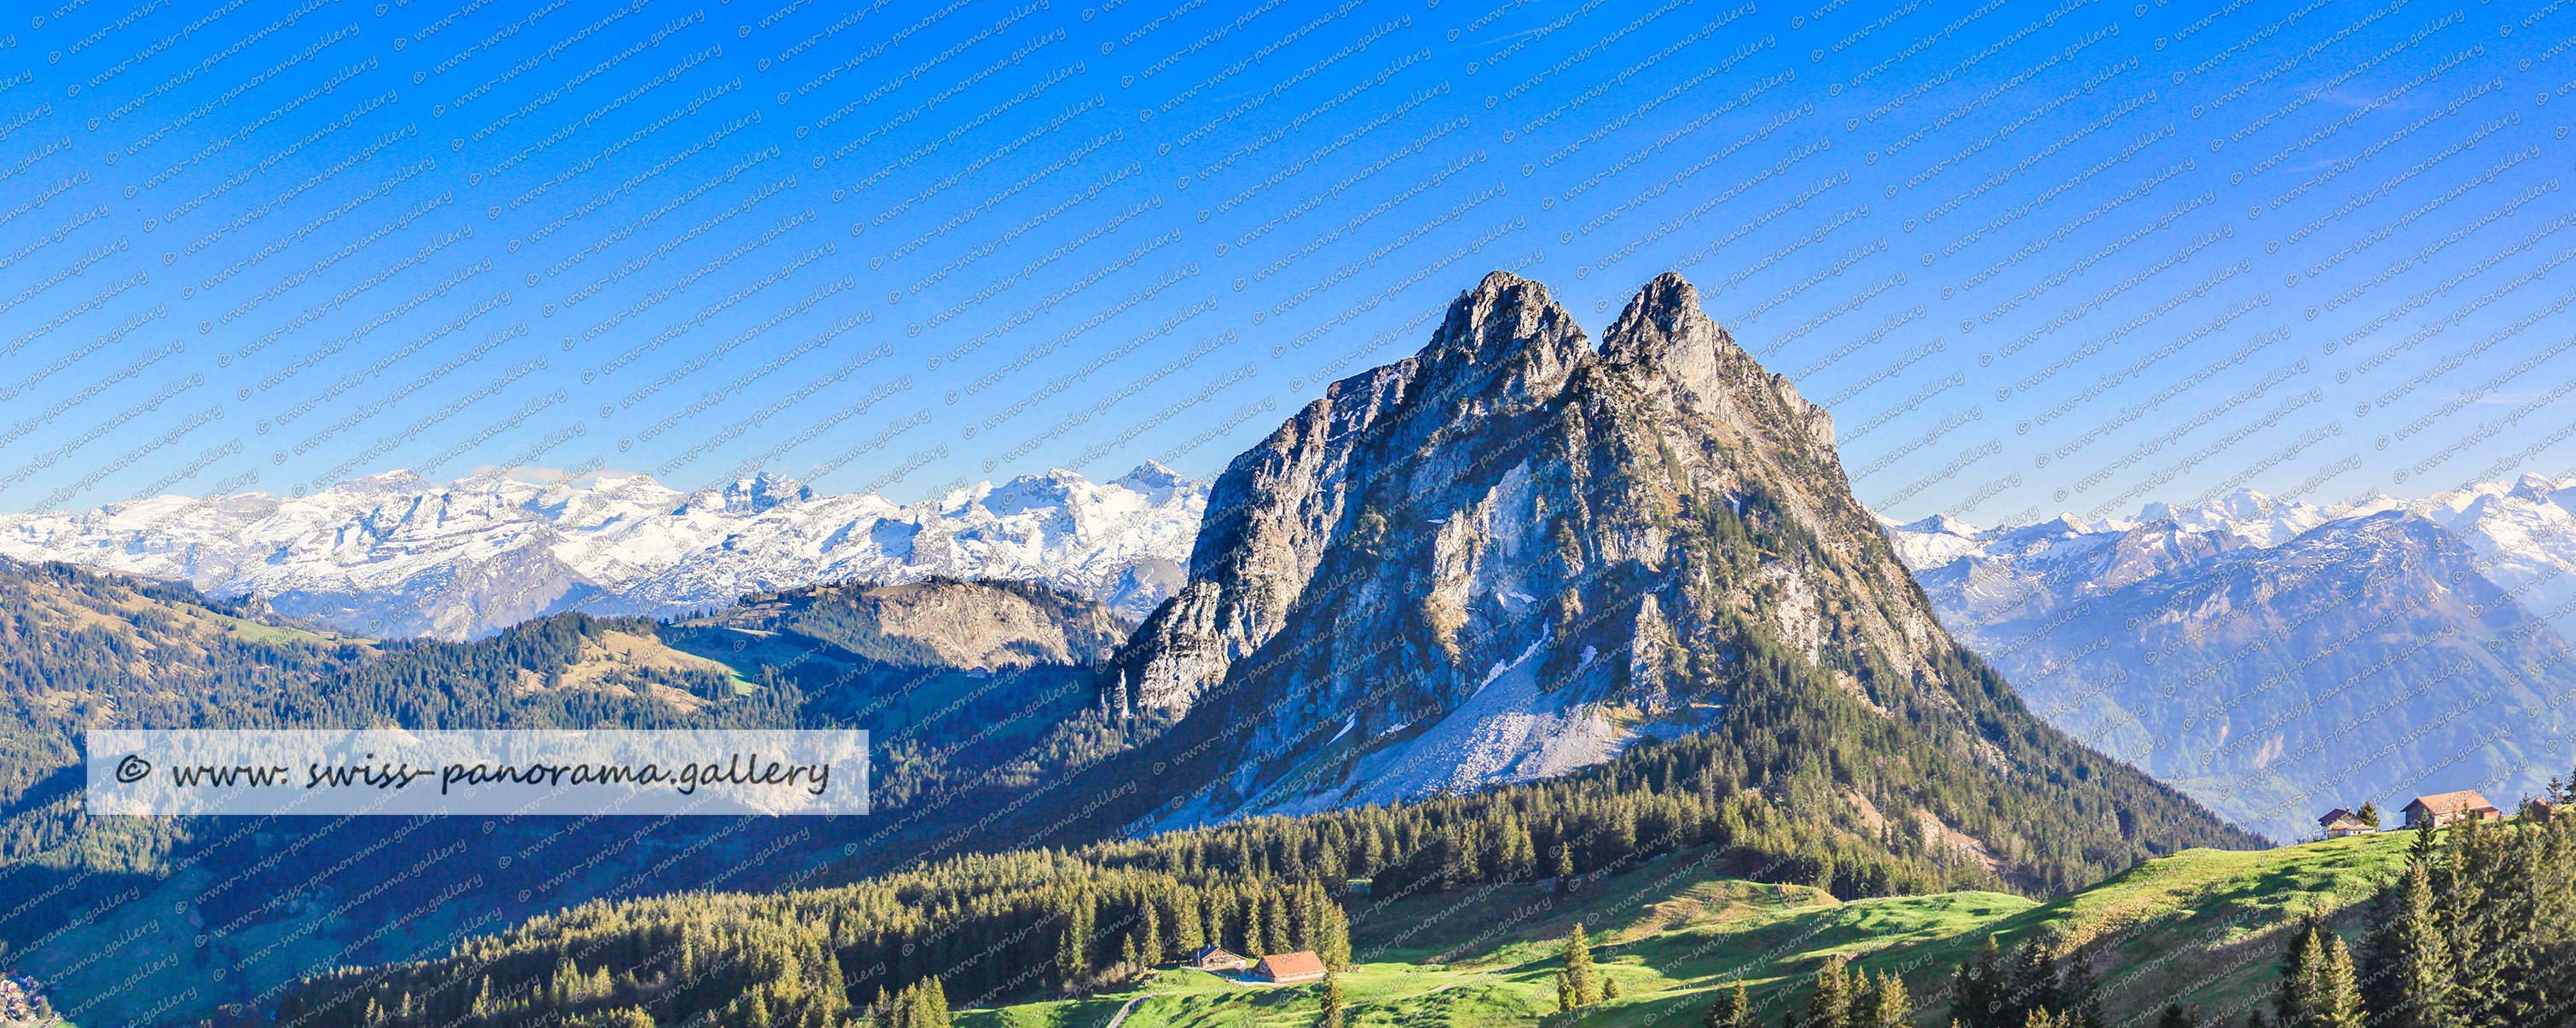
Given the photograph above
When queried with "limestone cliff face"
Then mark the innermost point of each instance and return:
(1281, 508)
(1514, 553)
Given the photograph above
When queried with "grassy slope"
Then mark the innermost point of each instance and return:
(2209, 926)
(2204, 926)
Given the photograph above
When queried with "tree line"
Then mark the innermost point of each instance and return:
(2479, 931)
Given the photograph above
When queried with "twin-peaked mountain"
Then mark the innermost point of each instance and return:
(1517, 553)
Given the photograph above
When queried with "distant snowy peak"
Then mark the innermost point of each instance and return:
(751, 495)
(1153, 479)
(2260, 518)
(394, 554)
(2523, 533)
(1934, 541)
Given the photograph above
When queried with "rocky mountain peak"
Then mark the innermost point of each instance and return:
(754, 494)
(1663, 327)
(2536, 488)
(1507, 340)
(1511, 556)
(1151, 476)
(1942, 524)
(1056, 488)
(385, 481)
(1459, 435)
(1668, 342)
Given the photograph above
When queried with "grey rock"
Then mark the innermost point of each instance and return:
(1493, 561)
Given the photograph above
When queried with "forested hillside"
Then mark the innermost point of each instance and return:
(1029, 924)
(80, 650)
(1452, 920)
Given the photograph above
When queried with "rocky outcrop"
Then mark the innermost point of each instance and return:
(1506, 466)
(939, 622)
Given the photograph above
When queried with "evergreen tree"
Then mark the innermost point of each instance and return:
(2175, 1017)
(2034, 977)
(1255, 928)
(1973, 998)
(1580, 975)
(1885, 1005)
(1520, 858)
(1073, 947)
(934, 1005)
(2338, 987)
(1214, 929)
(2368, 814)
(1468, 866)
(1149, 935)
(1333, 946)
(1276, 928)
(2296, 1000)
(2077, 993)
(1733, 1009)
(2409, 982)
(1830, 1005)
(1184, 937)
(2420, 849)
(2044, 974)
(1331, 1017)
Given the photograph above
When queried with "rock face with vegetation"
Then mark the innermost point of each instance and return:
(943, 622)
(1518, 553)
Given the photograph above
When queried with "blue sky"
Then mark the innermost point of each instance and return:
(2036, 256)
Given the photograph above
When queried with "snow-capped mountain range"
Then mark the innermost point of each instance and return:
(2160, 638)
(395, 555)
(2278, 659)
(2523, 532)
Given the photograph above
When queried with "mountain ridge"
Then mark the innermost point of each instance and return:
(2277, 660)
(1516, 553)
(393, 554)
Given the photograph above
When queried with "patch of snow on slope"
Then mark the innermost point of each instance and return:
(1507, 731)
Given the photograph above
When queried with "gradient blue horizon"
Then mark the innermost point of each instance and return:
(2037, 257)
